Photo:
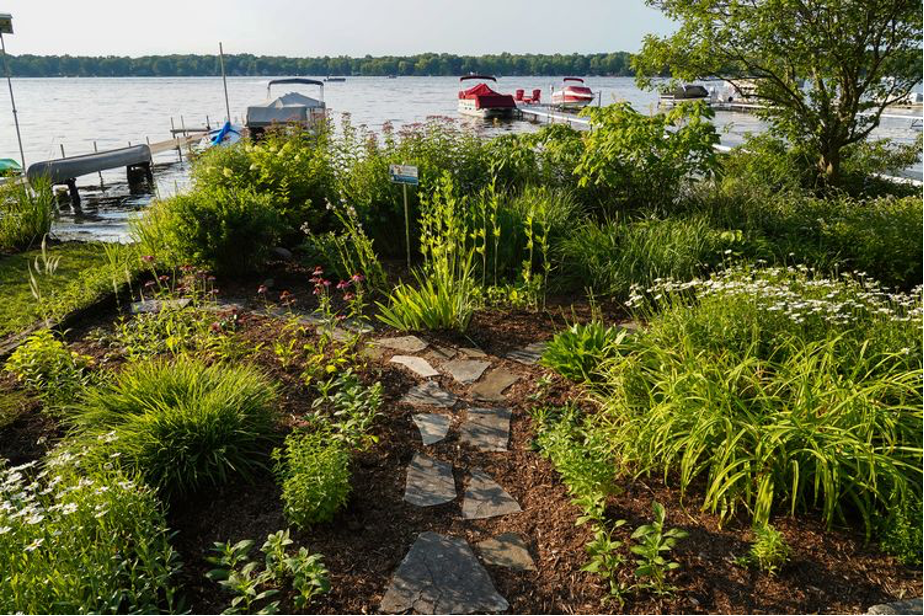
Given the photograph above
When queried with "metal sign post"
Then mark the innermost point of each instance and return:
(405, 175)
(6, 27)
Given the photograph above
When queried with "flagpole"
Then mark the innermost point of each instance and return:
(9, 82)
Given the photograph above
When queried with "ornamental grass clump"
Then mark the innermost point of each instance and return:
(72, 544)
(779, 391)
(180, 425)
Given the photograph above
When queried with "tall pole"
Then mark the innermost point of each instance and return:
(9, 82)
(407, 228)
(224, 80)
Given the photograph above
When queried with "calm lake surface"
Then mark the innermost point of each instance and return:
(113, 112)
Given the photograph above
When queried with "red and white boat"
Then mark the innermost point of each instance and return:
(572, 94)
(481, 101)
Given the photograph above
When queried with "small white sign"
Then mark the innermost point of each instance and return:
(403, 174)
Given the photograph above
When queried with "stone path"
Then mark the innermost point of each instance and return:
(506, 550)
(429, 394)
(433, 428)
(429, 482)
(156, 305)
(491, 387)
(417, 365)
(485, 498)
(908, 606)
(487, 429)
(441, 574)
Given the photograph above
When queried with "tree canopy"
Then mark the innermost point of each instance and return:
(825, 69)
(616, 63)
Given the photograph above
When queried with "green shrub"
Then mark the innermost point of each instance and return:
(634, 159)
(580, 454)
(314, 471)
(900, 531)
(26, 214)
(777, 390)
(292, 168)
(576, 352)
(182, 426)
(769, 550)
(75, 545)
(611, 257)
(227, 230)
(48, 368)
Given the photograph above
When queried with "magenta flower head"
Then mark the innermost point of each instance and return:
(261, 290)
(318, 270)
(215, 327)
(348, 297)
(148, 258)
(357, 277)
(326, 283)
(343, 284)
(163, 278)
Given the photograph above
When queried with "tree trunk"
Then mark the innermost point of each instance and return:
(829, 164)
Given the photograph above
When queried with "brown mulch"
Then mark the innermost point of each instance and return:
(832, 571)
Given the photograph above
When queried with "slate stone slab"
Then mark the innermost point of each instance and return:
(417, 365)
(487, 429)
(529, 355)
(429, 482)
(473, 352)
(405, 344)
(484, 498)
(507, 550)
(429, 394)
(439, 353)
(156, 305)
(493, 385)
(433, 428)
(440, 575)
(465, 371)
(908, 606)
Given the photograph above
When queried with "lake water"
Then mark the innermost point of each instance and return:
(113, 112)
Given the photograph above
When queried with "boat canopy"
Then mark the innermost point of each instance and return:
(690, 91)
(481, 77)
(484, 97)
(577, 79)
(291, 107)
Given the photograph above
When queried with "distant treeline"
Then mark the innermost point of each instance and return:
(246, 64)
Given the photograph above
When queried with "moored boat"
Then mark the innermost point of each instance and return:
(481, 101)
(572, 94)
(291, 108)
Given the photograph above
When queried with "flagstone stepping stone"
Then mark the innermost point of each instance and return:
(441, 575)
(484, 498)
(431, 394)
(429, 482)
(493, 385)
(507, 550)
(908, 606)
(405, 344)
(487, 429)
(466, 371)
(530, 354)
(438, 353)
(433, 428)
(156, 305)
(473, 352)
(417, 365)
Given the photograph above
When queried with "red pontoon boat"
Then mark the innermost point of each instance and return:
(570, 96)
(483, 102)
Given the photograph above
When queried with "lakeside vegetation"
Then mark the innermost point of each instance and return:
(727, 400)
(190, 65)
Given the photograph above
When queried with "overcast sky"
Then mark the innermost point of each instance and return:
(328, 27)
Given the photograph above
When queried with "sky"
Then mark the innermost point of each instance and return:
(328, 27)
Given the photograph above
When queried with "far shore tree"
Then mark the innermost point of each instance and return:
(826, 70)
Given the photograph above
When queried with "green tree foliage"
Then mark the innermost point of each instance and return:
(826, 69)
(616, 63)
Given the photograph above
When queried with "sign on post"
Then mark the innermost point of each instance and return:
(406, 175)
(403, 174)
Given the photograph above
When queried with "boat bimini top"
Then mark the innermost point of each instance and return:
(288, 108)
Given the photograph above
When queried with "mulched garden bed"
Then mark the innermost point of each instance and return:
(830, 571)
